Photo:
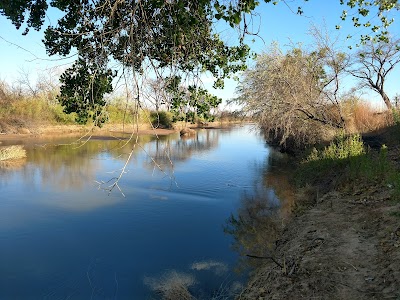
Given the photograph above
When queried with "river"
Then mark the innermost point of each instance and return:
(64, 235)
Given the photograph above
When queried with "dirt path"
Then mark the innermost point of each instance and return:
(346, 247)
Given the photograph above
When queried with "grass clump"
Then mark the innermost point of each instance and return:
(347, 162)
(12, 152)
(329, 163)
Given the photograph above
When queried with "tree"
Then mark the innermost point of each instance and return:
(294, 95)
(157, 94)
(375, 61)
(175, 36)
(191, 103)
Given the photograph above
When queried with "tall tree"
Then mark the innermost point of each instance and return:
(375, 61)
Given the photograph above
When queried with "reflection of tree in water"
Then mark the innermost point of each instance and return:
(256, 226)
(278, 177)
(8, 168)
(260, 218)
(74, 165)
(166, 152)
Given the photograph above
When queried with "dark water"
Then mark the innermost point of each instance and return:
(62, 236)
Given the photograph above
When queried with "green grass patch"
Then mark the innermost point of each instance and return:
(347, 161)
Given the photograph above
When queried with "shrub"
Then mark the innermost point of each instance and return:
(343, 147)
(328, 165)
(161, 119)
(59, 116)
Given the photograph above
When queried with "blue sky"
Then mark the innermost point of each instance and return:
(276, 23)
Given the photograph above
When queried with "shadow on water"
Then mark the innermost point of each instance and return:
(257, 224)
(255, 227)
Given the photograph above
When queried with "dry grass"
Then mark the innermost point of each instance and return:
(12, 152)
(362, 117)
(172, 285)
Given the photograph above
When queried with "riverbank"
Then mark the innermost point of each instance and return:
(13, 132)
(342, 241)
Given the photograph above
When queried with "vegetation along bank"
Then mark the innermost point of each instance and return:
(342, 239)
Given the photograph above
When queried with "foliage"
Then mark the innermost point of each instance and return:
(366, 10)
(343, 147)
(375, 61)
(191, 103)
(119, 115)
(82, 91)
(347, 160)
(294, 95)
(170, 37)
(161, 119)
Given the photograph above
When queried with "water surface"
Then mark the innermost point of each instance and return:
(63, 236)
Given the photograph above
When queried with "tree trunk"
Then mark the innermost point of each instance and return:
(386, 100)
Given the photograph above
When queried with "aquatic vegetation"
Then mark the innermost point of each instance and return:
(12, 152)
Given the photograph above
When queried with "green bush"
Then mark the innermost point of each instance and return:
(59, 116)
(161, 119)
(345, 160)
(343, 147)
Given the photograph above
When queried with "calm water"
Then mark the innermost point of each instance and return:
(62, 236)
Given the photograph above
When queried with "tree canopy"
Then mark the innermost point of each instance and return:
(294, 95)
(168, 38)
(374, 62)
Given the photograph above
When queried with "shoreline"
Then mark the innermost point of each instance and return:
(108, 130)
(340, 242)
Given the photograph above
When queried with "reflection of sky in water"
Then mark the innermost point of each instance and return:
(60, 236)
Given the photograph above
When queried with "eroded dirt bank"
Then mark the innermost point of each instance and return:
(346, 245)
